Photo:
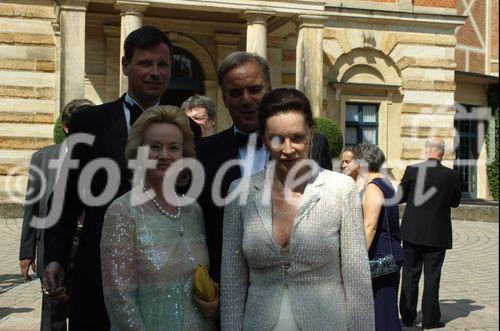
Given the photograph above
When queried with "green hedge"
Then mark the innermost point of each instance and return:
(59, 134)
(332, 133)
(492, 167)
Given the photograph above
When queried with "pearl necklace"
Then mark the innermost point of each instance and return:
(160, 208)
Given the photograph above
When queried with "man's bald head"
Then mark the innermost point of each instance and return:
(434, 148)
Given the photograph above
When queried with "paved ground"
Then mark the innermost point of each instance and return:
(469, 286)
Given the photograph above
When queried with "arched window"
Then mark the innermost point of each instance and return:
(186, 80)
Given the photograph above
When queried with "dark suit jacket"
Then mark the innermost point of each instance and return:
(107, 123)
(213, 151)
(32, 239)
(429, 224)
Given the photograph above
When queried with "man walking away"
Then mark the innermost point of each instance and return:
(429, 190)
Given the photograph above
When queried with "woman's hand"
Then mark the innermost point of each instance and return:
(209, 308)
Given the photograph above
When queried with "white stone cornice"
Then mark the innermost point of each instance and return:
(74, 5)
(227, 38)
(257, 17)
(311, 21)
(131, 7)
(111, 31)
(371, 16)
(277, 7)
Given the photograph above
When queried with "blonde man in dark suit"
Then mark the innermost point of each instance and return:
(147, 64)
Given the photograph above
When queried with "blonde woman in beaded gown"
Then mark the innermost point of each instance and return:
(149, 250)
(294, 255)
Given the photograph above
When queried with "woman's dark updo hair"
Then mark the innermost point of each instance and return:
(284, 100)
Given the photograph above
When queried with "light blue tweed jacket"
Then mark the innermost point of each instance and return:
(325, 265)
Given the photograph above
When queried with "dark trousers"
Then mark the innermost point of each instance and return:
(87, 309)
(54, 314)
(431, 258)
(385, 297)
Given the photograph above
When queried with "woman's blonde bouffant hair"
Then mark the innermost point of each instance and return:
(160, 114)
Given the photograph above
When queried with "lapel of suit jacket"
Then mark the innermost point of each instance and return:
(116, 137)
(50, 153)
(310, 198)
(53, 154)
(228, 151)
(261, 199)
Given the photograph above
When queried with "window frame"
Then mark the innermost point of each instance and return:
(360, 124)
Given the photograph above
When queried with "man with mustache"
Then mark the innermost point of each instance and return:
(244, 79)
(146, 63)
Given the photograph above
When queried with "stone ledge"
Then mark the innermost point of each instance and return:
(394, 39)
(28, 65)
(423, 85)
(26, 11)
(413, 62)
(15, 163)
(44, 93)
(426, 131)
(11, 209)
(26, 92)
(26, 117)
(24, 142)
(17, 38)
(475, 213)
(45, 66)
(423, 108)
(12, 169)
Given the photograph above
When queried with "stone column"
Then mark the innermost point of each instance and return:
(226, 44)
(72, 29)
(57, 95)
(257, 31)
(309, 63)
(131, 19)
(212, 93)
(112, 62)
(211, 90)
(275, 59)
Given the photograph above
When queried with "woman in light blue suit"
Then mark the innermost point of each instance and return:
(294, 252)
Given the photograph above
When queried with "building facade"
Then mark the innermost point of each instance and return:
(389, 71)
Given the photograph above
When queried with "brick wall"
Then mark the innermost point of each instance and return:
(436, 3)
(494, 38)
(472, 43)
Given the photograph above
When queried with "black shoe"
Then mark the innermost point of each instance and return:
(437, 325)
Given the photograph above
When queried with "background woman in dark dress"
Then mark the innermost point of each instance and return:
(376, 197)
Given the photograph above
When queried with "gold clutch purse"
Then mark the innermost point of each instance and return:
(203, 284)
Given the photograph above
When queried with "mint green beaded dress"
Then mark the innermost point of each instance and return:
(148, 262)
